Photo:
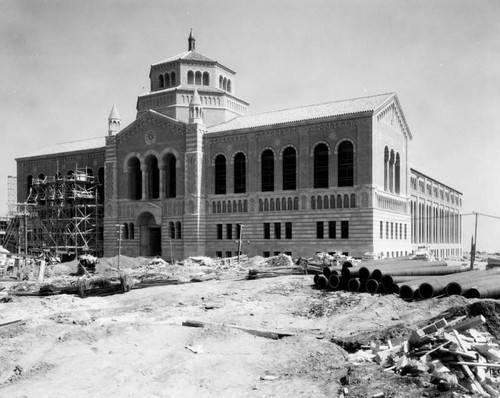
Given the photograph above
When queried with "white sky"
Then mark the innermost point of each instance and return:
(63, 64)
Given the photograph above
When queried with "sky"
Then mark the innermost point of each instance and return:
(63, 64)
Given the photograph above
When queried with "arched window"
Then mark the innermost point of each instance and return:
(391, 171)
(220, 82)
(271, 205)
(289, 169)
(41, 177)
(332, 201)
(172, 230)
(206, 79)
(228, 85)
(224, 206)
(190, 77)
(178, 230)
(319, 202)
(339, 201)
(321, 166)
(346, 164)
(397, 176)
(172, 78)
(70, 174)
(161, 81)
(235, 207)
(266, 205)
(214, 208)
(197, 78)
(290, 204)
(124, 231)
(296, 204)
(267, 177)
(283, 204)
(220, 175)
(240, 173)
(240, 206)
(134, 179)
(245, 205)
(224, 84)
(261, 205)
(325, 202)
(278, 204)
(346, 201)
(353, 200)
(58, 175)
(386, 169)
(131, 230)
(89, 172)
(152, 177)
(170, 175)
(29, 184)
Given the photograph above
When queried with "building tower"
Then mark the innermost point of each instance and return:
(114, 121)
(191, 41)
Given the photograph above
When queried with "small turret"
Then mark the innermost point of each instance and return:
(195, 109)
(191, 41)
(114, 121)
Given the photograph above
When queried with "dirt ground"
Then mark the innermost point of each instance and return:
(134, 344)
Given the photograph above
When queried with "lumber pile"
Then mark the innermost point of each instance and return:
(456, 355)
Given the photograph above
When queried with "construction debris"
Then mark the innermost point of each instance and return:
(456, 354)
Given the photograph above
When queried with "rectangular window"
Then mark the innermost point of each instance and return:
(288, 230)
(267, 230)
(392, 230)
(229, 231)
(332, 229)
(277, 230)
(405, 231)
(277, 253)
(218, 254)
(381, 229)
(387, 230)
(400, 231)
(219, 231)
(238, 231)
(266, 254)
(319, 230)
(288, 254)
(344, 229)
(229, 254)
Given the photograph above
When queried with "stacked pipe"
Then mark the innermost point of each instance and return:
(411, 279)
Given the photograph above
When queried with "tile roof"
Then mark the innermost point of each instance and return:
(92, 143)
(188, 56)
(337, 108)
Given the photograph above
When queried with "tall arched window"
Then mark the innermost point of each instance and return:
(353, 200)
(161, 82)
(346, 164)
(391, 171)
(29, 184)
(153, 178)
(289, 169)
(206, 79)
(386, 169)
(397, 178)
(170, 175)
(131, 230)
(197, 78)
(220, 175)
(220, 82)
(228, 86)
(321, 166)
(134, 179)
(240, 177)
(224, 84)
(178, 230)
(124, 231)
(100, 187)
(172, 230)
(172, 78)
(167, 80)
(267, 164)
(190, 77)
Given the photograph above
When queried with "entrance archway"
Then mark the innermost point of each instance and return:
(150, 235)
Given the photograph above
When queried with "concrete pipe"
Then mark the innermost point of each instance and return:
(350, 272)
(388, 280)
(334, 281)
(375, 271)
(322, 282)
(356, 285)
(372, 286)
(332, 269)
(407, 290)
(474, 278)
(315, 279)
(347, 264)
(485, 289)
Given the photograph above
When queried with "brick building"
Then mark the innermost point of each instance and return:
(195, 169)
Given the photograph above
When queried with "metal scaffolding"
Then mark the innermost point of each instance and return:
(62, 215)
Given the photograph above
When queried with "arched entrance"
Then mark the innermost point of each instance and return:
(150, 235)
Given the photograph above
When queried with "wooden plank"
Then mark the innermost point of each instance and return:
(275, 335)
(12, 323)
(469, 323)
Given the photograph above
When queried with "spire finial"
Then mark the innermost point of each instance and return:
(191, 41)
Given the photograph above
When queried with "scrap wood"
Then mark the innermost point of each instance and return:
(469, 323)
(275, 335)
(12, 323)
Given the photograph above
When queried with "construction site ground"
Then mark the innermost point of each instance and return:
(134, 344)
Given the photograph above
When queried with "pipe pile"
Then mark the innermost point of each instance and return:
(412, 279)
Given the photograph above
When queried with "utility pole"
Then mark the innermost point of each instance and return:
(473, 244)
(171, 252)
(240, 241)
(120, 226)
